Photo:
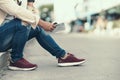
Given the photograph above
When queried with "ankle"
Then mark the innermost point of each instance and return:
(65, 56)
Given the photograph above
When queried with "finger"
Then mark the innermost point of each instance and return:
(54, 26)
(51, 29)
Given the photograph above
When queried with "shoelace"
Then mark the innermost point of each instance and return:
(70, 54)
(23, 60)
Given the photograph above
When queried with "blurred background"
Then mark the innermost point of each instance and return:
(92, 31)
(100, 17)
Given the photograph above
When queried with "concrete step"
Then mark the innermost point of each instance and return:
(4, 57)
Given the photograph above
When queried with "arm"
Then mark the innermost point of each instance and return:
(45, 25)
(10, 7)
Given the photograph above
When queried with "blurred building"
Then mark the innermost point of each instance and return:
(81, 10)
(70, 9)
(81, 15)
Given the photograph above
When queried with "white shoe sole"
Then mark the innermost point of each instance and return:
(70, 64)
(20, 69)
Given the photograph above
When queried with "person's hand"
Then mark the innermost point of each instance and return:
(47, 25)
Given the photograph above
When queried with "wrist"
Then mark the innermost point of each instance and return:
(41, 23)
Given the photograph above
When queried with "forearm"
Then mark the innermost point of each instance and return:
(10, 7)
(45, 25)
(41, 23)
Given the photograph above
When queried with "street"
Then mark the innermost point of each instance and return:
(102, 54)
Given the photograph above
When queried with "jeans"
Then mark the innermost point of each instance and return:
(14, 35)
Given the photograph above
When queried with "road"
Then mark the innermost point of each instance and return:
(102, 55)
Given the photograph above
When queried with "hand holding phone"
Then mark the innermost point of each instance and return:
(59, 27)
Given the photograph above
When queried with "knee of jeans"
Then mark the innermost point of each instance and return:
(6, 43)
(3, 48)
(21, 26)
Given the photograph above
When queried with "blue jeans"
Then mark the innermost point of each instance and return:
(14, 35)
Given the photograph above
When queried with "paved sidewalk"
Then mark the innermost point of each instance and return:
(102, 54)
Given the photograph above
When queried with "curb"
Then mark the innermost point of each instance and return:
(4, 57)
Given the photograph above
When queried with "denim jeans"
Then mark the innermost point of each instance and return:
(14, 35)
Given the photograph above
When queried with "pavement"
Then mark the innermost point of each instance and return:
(102, 54)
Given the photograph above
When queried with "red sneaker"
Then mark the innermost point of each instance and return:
(22, 64)
(70, 60)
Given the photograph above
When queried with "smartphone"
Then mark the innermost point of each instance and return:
(59, 28)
